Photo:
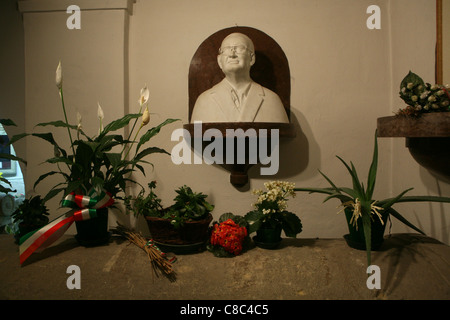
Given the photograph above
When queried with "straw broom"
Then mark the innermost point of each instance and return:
(159, 263)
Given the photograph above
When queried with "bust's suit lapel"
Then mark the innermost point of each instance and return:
(222, 98)
(254, 101)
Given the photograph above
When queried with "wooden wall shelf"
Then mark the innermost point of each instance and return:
(238, 172)
(427, 137)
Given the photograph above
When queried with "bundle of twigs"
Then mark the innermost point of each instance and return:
(160, 264)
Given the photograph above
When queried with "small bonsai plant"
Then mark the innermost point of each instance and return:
(270, 210)
(229, 236)
(359, 202)
(31, 215)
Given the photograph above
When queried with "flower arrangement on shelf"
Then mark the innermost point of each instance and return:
(228, 236)
(363, 213)
(423, 97)
(270, 211)
(96, 170)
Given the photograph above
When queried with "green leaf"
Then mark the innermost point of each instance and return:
(114, 158)
(118, 124)
(7, 122)
(316, 190)
(291, 224)
(329, 181)
(73, 186)
(367, 227)
(253, 219)
(353, 174)
(57, 123)
(152, 132)
(413, 78)
(148, 151)
(391, 201)
(423, 198)
(52, 193)
(59, 160)
(399, 217)
(342, 197)
(224, 217)
(45, 175)
(372, 171)
(11, 157)
(17, 137)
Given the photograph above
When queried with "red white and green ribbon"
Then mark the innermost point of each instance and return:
(84, 208)
(169, 257)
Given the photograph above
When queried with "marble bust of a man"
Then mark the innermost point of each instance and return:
(237, 98)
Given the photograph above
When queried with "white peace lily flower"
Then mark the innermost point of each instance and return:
(79, 118)
(100, 116)
(145, 117)
(59, 76)
(144, 96)
(100, 113)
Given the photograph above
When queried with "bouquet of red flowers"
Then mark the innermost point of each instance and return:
(228, 235)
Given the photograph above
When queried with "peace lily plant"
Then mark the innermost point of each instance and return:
(101, 162)
(94, 174)
(359, 200)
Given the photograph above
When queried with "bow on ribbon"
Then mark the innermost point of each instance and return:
(38, 240)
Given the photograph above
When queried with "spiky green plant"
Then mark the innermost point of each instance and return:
(360, 199)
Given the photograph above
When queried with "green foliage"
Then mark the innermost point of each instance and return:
(98, 162)
(32, 212)
(359, 194)
(422, 97)
(4, 180)
(146, 205)
(188, 205)
(270, 210)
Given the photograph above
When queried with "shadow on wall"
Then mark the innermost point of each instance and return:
(295, 154)
(438, 220)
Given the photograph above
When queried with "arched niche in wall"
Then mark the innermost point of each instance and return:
(271, 70)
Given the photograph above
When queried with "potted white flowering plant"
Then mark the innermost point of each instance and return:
(366, 217)
(270, 216)
(94, 173)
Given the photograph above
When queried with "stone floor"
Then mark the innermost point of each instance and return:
(411, 267)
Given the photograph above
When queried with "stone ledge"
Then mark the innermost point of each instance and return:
(26, 6)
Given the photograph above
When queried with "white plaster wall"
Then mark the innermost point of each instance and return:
(340, 73)
(343, 77)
